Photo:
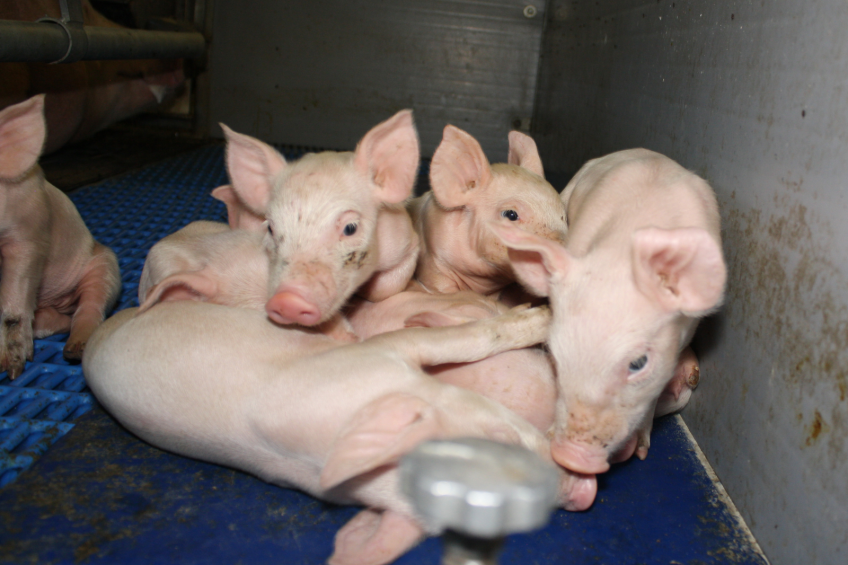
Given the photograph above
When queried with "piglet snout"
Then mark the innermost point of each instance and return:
(290, 308)
(580, 494)
(579, 458)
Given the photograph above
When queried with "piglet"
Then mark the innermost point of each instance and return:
(206, 261)
(642, 262)
(458, 252)
(336, 223)
(297, 410)
(521, 379)
(54, 276)
(209, 262)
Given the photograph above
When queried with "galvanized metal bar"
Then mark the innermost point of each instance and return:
(47, 42)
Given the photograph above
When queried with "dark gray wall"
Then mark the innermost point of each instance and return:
(754, 97)
(322, 73)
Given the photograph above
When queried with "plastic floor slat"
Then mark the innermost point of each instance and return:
(101, 495)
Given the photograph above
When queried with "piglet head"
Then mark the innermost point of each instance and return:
(321, 213)
(620, 320)
(513, 193)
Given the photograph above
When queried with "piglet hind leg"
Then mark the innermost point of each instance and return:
(375, 537)
(518, 328)
(49, 321)
(98, 291)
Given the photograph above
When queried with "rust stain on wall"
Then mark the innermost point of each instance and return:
(816, 428)
(786, 295)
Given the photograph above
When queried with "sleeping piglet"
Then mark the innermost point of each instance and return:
(336, 223)
(520, 379)
(641, 263)
(54, 276)
(300, 410)
(209, 262)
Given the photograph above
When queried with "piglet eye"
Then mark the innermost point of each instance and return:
(270, 230)
(510, 215)
(350, 229)
(638, 364)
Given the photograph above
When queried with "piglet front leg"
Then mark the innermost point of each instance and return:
(673, 398)
(678, 391)
(518, 328)
(21, 272)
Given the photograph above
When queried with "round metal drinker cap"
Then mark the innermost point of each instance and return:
(479, 487)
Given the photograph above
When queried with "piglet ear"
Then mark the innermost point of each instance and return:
(682, 269)
(523, 153)
(536, 261)
(182, 286)
(459, 169)
(379, 434)
(239, 216)
(389, 155)
(22, 134)
(252, 166)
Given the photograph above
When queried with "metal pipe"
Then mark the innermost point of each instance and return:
(47, 42)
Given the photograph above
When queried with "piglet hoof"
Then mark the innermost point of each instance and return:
(688, 371)
(643, 443)
(73, 350)
(17, 350)
(14, 364)
(694, 376)
(678, 391)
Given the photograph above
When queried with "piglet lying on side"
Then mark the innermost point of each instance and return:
(520, 379)
(55, 277)
(298, 410)
(336, 223)
(642, 262)
(209, 262)
(458, 252)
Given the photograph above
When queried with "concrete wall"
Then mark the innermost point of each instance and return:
(753, 96)
(321, 74)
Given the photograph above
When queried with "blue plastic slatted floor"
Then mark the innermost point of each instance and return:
(100, 495)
